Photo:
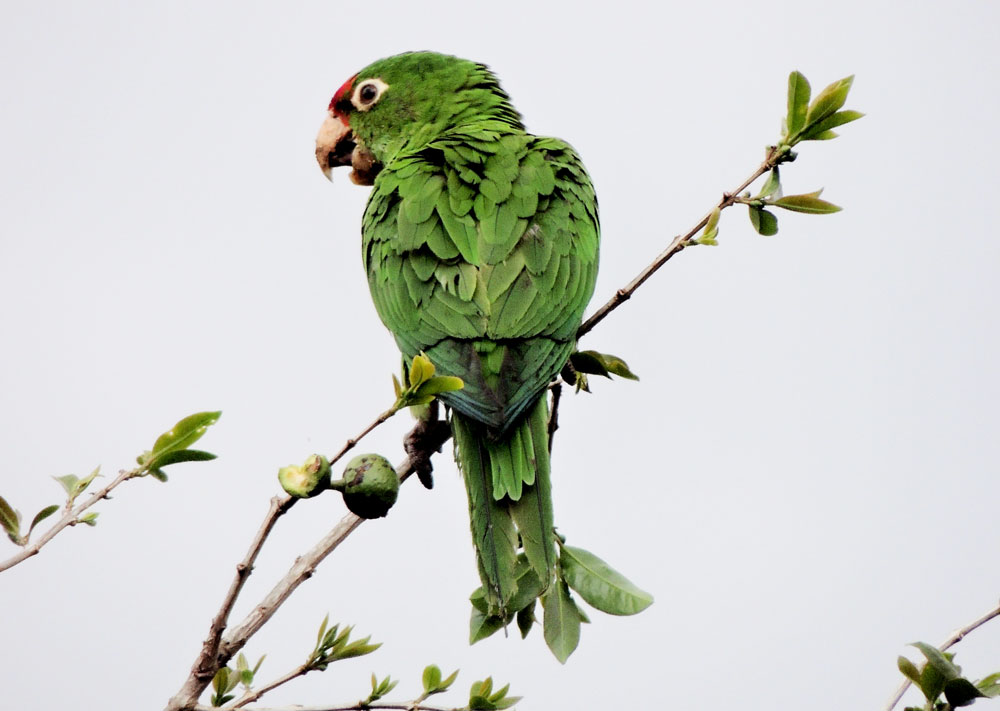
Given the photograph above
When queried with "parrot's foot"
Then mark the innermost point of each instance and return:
(422, 442)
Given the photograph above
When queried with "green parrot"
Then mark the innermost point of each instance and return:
(480, 241)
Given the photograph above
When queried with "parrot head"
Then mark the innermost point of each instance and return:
(404, 102)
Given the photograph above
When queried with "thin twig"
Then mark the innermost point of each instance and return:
(774, 156)
(70, 518)
(205, 665)
(255, 694)
(351, 443)
(956, 637)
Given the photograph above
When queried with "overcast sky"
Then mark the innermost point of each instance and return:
(806, 476)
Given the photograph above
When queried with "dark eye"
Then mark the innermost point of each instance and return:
(368, 93)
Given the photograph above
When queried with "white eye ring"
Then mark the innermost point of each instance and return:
(362, 98)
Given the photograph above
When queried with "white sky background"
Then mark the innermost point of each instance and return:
(805, 478)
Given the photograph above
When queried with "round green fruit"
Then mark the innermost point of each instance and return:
(370, 486)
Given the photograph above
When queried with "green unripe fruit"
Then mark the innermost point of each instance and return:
(370, 486)
(309, 479)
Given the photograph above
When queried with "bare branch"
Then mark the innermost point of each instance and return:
(774, 156)
(956, 637)
(69, 518)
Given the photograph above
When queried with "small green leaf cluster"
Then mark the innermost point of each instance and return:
(227, 679)
(483, 698)
(334, 644)
(807, 121)
(600, 585)
(173, 446)
(170, 448)
(764, 222)
(583, 363)
(804, 121)
(421, 385)
(939, 675)
(379, 689)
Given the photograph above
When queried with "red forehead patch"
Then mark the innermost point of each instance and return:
(341, 92)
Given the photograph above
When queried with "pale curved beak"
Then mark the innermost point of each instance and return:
(334, 145)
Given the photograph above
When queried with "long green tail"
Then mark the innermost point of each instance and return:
(510, 500)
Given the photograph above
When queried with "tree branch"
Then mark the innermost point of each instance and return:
(956, 637)
(774, 156)
(70, 518)
(424, 439)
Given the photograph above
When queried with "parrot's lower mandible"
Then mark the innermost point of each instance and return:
(480, 241)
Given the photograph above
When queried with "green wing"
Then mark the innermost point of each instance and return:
(481, 251)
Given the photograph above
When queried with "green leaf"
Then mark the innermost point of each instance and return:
(356, 649)
(158, 474)
(763, 221)
(439, 384)
(601, 585)
(961, 692)
(322, 631)
(82, 485)
(908, 668)
(184, 455)
(990, 685)
(90, 519)
(561, 621)
(525, 619)
(711, 230)
(41, 516)
(937, 672)
(482, 625)
(447, 681)
(181, 436)
(431, 678)
(601, 364)
(798, 103)
(68, 483)
(771, 185)
(828, 101)
(808, 203)
(938, 659)
(832, 121)
(10, 519)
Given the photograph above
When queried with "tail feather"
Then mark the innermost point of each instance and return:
(510, 493)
